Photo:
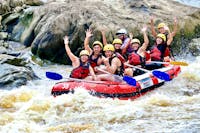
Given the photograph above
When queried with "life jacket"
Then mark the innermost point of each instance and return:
(158, 51)
(147, 56)
(120, 70)
(121, 58)
(135, 59)
(80, 72)
(93, 62)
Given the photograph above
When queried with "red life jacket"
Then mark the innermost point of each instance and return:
(155, 54)
(167, 52)
(147, 56)
(80, 72)
(135, 59)
(120, 57)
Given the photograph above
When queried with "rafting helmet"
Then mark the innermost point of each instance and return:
(117, 41)
(161, 25)
(162, 36)
(109, 47)
(121, 31)
(84, 52)
(97, 43)
(135, 40)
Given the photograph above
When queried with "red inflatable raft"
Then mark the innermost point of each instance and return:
(109, 89)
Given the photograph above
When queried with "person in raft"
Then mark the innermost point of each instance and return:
(138, 56)
(123, 35)
(81, 66)
(117, 43)
(162, 30)
(158, 50)
(112, 63)
(95, 57)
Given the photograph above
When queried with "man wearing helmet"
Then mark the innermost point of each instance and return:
(81, 66)
(95, 53)
(122, 35)
(112, 64)
(163, 29)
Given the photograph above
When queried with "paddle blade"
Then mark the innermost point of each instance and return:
(178, 63)
(130, 80)
(53, 75)
(161, 75)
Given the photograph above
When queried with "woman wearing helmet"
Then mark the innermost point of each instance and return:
(95, 53)
(157, 52)
(137, 57)
(81, 66)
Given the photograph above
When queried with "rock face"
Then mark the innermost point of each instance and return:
(14, 72)
(43, 27)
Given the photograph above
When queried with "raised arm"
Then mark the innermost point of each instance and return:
(170, 37)
(126, 46)
(146, 39)
(104, 37)
(87, 39)
(72, 57)
(175, 27)
(153, 31)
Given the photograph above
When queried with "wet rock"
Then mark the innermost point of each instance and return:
(3, 35)
(194, 47)
(43, 27)
(14, 72)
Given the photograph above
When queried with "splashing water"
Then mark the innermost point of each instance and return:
(173, 107)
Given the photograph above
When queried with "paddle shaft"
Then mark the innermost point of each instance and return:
(145, 70)
(172, 63)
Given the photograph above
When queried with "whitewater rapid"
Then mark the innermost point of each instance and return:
(173, 107)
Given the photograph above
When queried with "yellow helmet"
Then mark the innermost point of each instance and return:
(162, 36)
(117, 41)
(84, 52)
(161, 25)
(135, 40)
(97, 43)
(109, 47)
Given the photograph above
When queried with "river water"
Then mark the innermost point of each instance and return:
(174, 107)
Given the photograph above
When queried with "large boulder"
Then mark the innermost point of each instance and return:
(43, 27)
(14, 72)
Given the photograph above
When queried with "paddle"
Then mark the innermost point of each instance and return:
(180, 63)
(55, 76)
(156, 73)
(129, 80)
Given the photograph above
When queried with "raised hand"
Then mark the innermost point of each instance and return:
(88, 33)
(66, 39)
(144, 29)
(166, 28)
(131, 35)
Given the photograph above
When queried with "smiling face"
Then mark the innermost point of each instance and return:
(117, 46)
(97, 49)
(161, 30)
(159, 40)
(84, 58)
(135, 46)
(108, 53)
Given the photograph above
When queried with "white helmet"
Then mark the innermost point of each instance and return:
(121, 31)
